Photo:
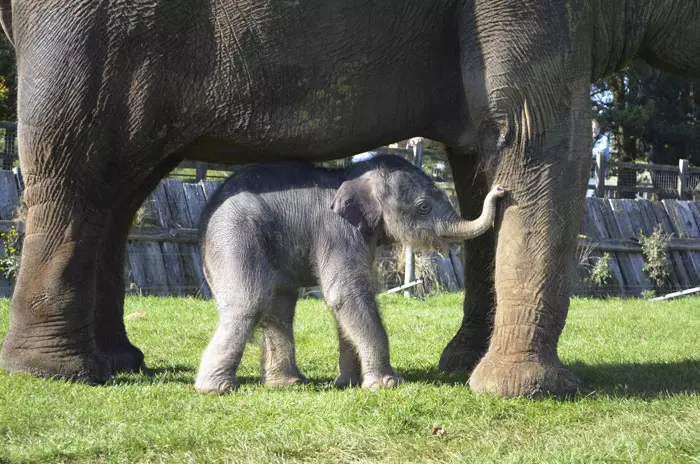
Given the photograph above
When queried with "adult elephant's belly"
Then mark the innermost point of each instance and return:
(329, 121)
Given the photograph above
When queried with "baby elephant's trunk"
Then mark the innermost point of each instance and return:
(463, 229)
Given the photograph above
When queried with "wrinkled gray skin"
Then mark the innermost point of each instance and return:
(271, 229)
(112, 94)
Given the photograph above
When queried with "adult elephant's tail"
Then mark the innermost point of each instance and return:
(6, 18)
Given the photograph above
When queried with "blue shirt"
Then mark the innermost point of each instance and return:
(601, 145)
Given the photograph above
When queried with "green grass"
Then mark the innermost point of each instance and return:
(640, 363)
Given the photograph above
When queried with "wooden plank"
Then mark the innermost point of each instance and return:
(597, 231)
(148, 268)
(209, 187)
(626, 231)
(163, 235)
(174, 268)
(9, 197)
(192, 276)
(645, 215)
(629, 274)
(636, 225)
(650, 222)
(445, 271)
(173, 272)
(196, 201)
(693, 231)
(676, 257)
(458, 266)
(9, 201)
(684, 224)
(145, 259)
(134, 274)
(691, 210)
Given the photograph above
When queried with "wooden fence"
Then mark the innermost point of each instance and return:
(642, 180)
(163, 255)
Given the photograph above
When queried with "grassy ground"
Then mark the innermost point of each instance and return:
(639, 361)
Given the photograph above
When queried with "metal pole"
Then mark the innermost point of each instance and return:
(682, 178)
(410, 269)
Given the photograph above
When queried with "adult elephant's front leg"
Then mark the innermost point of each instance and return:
(468, 346)
(534, 262)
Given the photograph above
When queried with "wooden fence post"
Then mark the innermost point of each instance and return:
(200, 171)
(410, 268)
(600, 168)
(682, 178)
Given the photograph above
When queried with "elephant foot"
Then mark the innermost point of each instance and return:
(122, 354)
(523, 377)
(89, 367)
(283, 381)
(214, 387)
(458, 358)
(345, 380)
(375, 382)
(125, 358)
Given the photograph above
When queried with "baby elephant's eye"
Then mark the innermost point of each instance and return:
(424, 207)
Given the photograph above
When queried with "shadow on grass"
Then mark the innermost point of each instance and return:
(178, 373)
(633, 380)
(434, 375)
(639, 380)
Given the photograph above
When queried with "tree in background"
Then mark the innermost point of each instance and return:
(8, 81)
(651, 115)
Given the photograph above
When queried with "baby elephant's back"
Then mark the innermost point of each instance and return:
(272, 212)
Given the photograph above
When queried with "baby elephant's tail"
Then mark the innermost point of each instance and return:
(6, 18)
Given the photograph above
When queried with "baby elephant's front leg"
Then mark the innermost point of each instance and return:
(358, 319)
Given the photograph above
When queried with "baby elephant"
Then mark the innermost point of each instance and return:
(273, 228)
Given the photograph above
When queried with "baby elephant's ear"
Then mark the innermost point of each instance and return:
(356, 203)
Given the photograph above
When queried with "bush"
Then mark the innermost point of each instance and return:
(654, 249)
(11, 246)
(600, 273)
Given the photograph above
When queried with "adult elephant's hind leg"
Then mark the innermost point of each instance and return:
(468, 346)
(52, 314)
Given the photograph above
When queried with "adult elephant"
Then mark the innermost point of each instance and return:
(113, 94)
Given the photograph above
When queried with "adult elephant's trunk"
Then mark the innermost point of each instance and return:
(463, 229)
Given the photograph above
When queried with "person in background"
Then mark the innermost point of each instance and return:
(601, 145)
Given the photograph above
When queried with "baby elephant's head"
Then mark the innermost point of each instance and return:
(392, 193)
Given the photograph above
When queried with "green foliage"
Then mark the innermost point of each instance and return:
(652, 114)
(654, 248)
(600, 273)
(8, 81)
(640, 401)
(11, 246)
(648, 294)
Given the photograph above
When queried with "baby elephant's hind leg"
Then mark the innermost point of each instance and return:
(278, 363)
(217, 371)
